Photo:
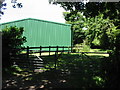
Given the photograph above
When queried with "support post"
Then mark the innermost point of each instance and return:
(40, 50)
(55, 60)
(57, 50)
(78, 48)
(68, 50)
(27, 52)
(49, 50)
(56, 57)
(63, 49)
(71, 48)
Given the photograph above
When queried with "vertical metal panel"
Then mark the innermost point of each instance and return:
(43, 33)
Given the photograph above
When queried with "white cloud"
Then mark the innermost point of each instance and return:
(40, 9)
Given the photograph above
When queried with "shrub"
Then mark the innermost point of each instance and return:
(12, 37)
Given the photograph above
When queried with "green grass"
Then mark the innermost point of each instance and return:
(87, 48)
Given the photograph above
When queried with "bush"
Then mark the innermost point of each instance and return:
(11, 38)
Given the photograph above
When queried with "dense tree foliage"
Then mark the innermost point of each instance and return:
(101, 18)
(77, 20)
(101, 32)
(92, 9)
(95, 31)
(11, 38)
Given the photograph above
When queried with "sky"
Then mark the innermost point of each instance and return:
(39, 9)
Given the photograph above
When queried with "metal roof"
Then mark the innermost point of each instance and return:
(36, 20)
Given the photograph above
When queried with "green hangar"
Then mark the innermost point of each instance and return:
(43, 33)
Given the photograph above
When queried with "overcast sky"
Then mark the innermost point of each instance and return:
(40, 9)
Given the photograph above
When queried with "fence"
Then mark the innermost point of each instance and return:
(48, 49)
(28, 60)
(37, 62)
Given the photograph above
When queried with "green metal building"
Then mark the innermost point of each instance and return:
(43, 33)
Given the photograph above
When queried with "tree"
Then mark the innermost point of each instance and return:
(100, 32)
(77, 20)
(92, 9)
(108, 9)
(11, 38)
(95, 30)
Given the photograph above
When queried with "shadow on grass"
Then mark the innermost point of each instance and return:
(73, 71)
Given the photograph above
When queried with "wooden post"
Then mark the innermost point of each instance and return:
(56, 57)
(40, 50)
(27, 52)
(68, 50)
(55, 60)
(57, 50)
(78, 48)
(49, 50)
(71, 49)
(63, 49)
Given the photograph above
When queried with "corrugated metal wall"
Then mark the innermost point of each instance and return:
(43, 33)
